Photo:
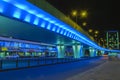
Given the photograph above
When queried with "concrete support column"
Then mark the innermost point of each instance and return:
(61, 51)
(77, 50)
(92, 52)
(102, 52)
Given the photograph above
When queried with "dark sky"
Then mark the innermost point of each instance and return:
(103, 15)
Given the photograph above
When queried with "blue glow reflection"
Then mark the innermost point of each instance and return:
(7, 0)
(43, 24)
(36, 21)
(27, 18)
(40, 16)
(65, 32)
(32, 11)
(58, 30)
(53, 29)
(21, 6)
(61, 32)
(51, 21)
(49, 26)
(1, 9)
(17, 14)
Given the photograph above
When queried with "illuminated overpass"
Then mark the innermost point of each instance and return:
(23, 20)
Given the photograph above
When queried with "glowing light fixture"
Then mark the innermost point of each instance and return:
(90, 30)
(1, 8)
(21, 6)
(83, 14)
(36, 21)
(84, 23)
(17, 14)
(43, 24)
(27, 18)
(74, 13)
(96, 32)
(49, 26)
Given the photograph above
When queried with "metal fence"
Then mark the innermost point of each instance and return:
(10, 64)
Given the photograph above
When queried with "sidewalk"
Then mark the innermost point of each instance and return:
(110, 70)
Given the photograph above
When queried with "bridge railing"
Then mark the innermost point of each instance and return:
(10, 64)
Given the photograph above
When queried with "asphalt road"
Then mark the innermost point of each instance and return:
(52, 72)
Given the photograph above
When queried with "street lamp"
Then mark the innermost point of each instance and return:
(74, 14)
(82, 14)
(90, 30)
(96, 32)
(84, 23)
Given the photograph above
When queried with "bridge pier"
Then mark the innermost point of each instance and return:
(61, 51)
(102, 52)
(92, 52)
(77, 50)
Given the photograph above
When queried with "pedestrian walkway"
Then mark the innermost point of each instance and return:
(110, 70)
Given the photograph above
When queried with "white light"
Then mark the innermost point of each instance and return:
(36, 21)
(27, 18)
(56, 24)
(65, 32)
(32, 11)
(47, 19)
(40, 15)
(43, 24)
(17, 14)
(1, 10)
(61, 31)
(53, 29)
(21, 6)
(7, 0)
(49, 26)
(51, 21)
(58, 30)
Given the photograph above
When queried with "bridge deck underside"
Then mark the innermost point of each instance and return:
(20, 30)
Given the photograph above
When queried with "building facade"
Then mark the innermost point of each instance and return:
(112, 39)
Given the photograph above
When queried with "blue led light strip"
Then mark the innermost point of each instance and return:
(25, 11)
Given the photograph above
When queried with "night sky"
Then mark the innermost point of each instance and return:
(103, 15)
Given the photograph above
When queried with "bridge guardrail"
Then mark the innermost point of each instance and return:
(20, 63)
(10, 64)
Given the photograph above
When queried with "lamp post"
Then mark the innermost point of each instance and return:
(84, 24)
(90, 30)
(81, 14)
(75, 14)
(96, 32)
